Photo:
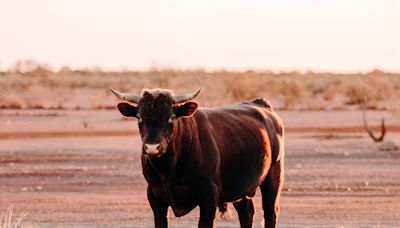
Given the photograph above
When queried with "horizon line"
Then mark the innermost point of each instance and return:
(96, 68)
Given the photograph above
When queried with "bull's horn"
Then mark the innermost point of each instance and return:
(133, 98)
(185, 97)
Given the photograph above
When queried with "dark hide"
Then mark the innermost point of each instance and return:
(215, 156)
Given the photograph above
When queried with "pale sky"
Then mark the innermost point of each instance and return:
(320, 35)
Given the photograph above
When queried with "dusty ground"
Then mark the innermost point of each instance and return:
(82, 168)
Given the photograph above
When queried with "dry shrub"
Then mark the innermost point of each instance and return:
(393, 105)
(78, 84)
(338, 107)
(290, 91)
(41, 70)
(10, 104)
(131, 83)
(244, 87)
(294, 93)
(333, 89)
(315, 105)
(31, 105)
(383, 87)
(314, 85)
(18, 83)
(103, 106)
(58, 106)
(358, 93)
(165, 79)
(32, 68)
(9, 220)
(369, 90)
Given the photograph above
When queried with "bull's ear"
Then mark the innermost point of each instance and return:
(186, 109)
(127, 110)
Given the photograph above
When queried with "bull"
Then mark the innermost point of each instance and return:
(207, 157)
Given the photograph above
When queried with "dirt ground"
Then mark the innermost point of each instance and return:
(82, 168)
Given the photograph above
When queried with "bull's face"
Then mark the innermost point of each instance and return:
(157, 112)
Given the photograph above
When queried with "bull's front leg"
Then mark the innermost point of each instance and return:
(208, 196)
(160, 209)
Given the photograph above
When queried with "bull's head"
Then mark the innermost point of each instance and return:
(157, 111)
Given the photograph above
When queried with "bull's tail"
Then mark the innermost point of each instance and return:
(225, 214)
(261, 102)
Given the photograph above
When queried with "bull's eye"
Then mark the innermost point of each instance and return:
(171, 119)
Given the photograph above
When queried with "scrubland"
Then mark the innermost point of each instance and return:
(68, 158)
(33, 86)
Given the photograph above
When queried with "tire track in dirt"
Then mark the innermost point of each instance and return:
(62, 134)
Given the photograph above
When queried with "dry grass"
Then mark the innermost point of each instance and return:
(35, 86)
(9, 220)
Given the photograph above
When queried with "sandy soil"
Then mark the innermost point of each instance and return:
(82, 168)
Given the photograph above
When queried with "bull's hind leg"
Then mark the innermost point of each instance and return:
(245, 210)
(271, 190)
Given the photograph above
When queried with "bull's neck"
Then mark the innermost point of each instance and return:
(182, 145)
(184, 141)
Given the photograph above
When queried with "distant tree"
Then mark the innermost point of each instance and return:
(376, 72)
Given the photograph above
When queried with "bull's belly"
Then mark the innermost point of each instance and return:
(240, 180)
(180, 198)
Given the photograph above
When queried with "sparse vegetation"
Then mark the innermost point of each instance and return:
(32, 85)
(9, 220)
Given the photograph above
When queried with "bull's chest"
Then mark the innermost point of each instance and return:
(179, 196)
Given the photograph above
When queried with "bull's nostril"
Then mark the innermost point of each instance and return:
(152, 148)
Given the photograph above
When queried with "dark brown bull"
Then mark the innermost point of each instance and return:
(208, 157)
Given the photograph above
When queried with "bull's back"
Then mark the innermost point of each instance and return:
(247, 137)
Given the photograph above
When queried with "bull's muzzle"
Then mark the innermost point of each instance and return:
(152, 149)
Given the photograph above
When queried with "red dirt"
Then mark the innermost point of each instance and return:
(64, 172)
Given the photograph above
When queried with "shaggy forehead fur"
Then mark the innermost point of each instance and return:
(158, 91)
(156, 103)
